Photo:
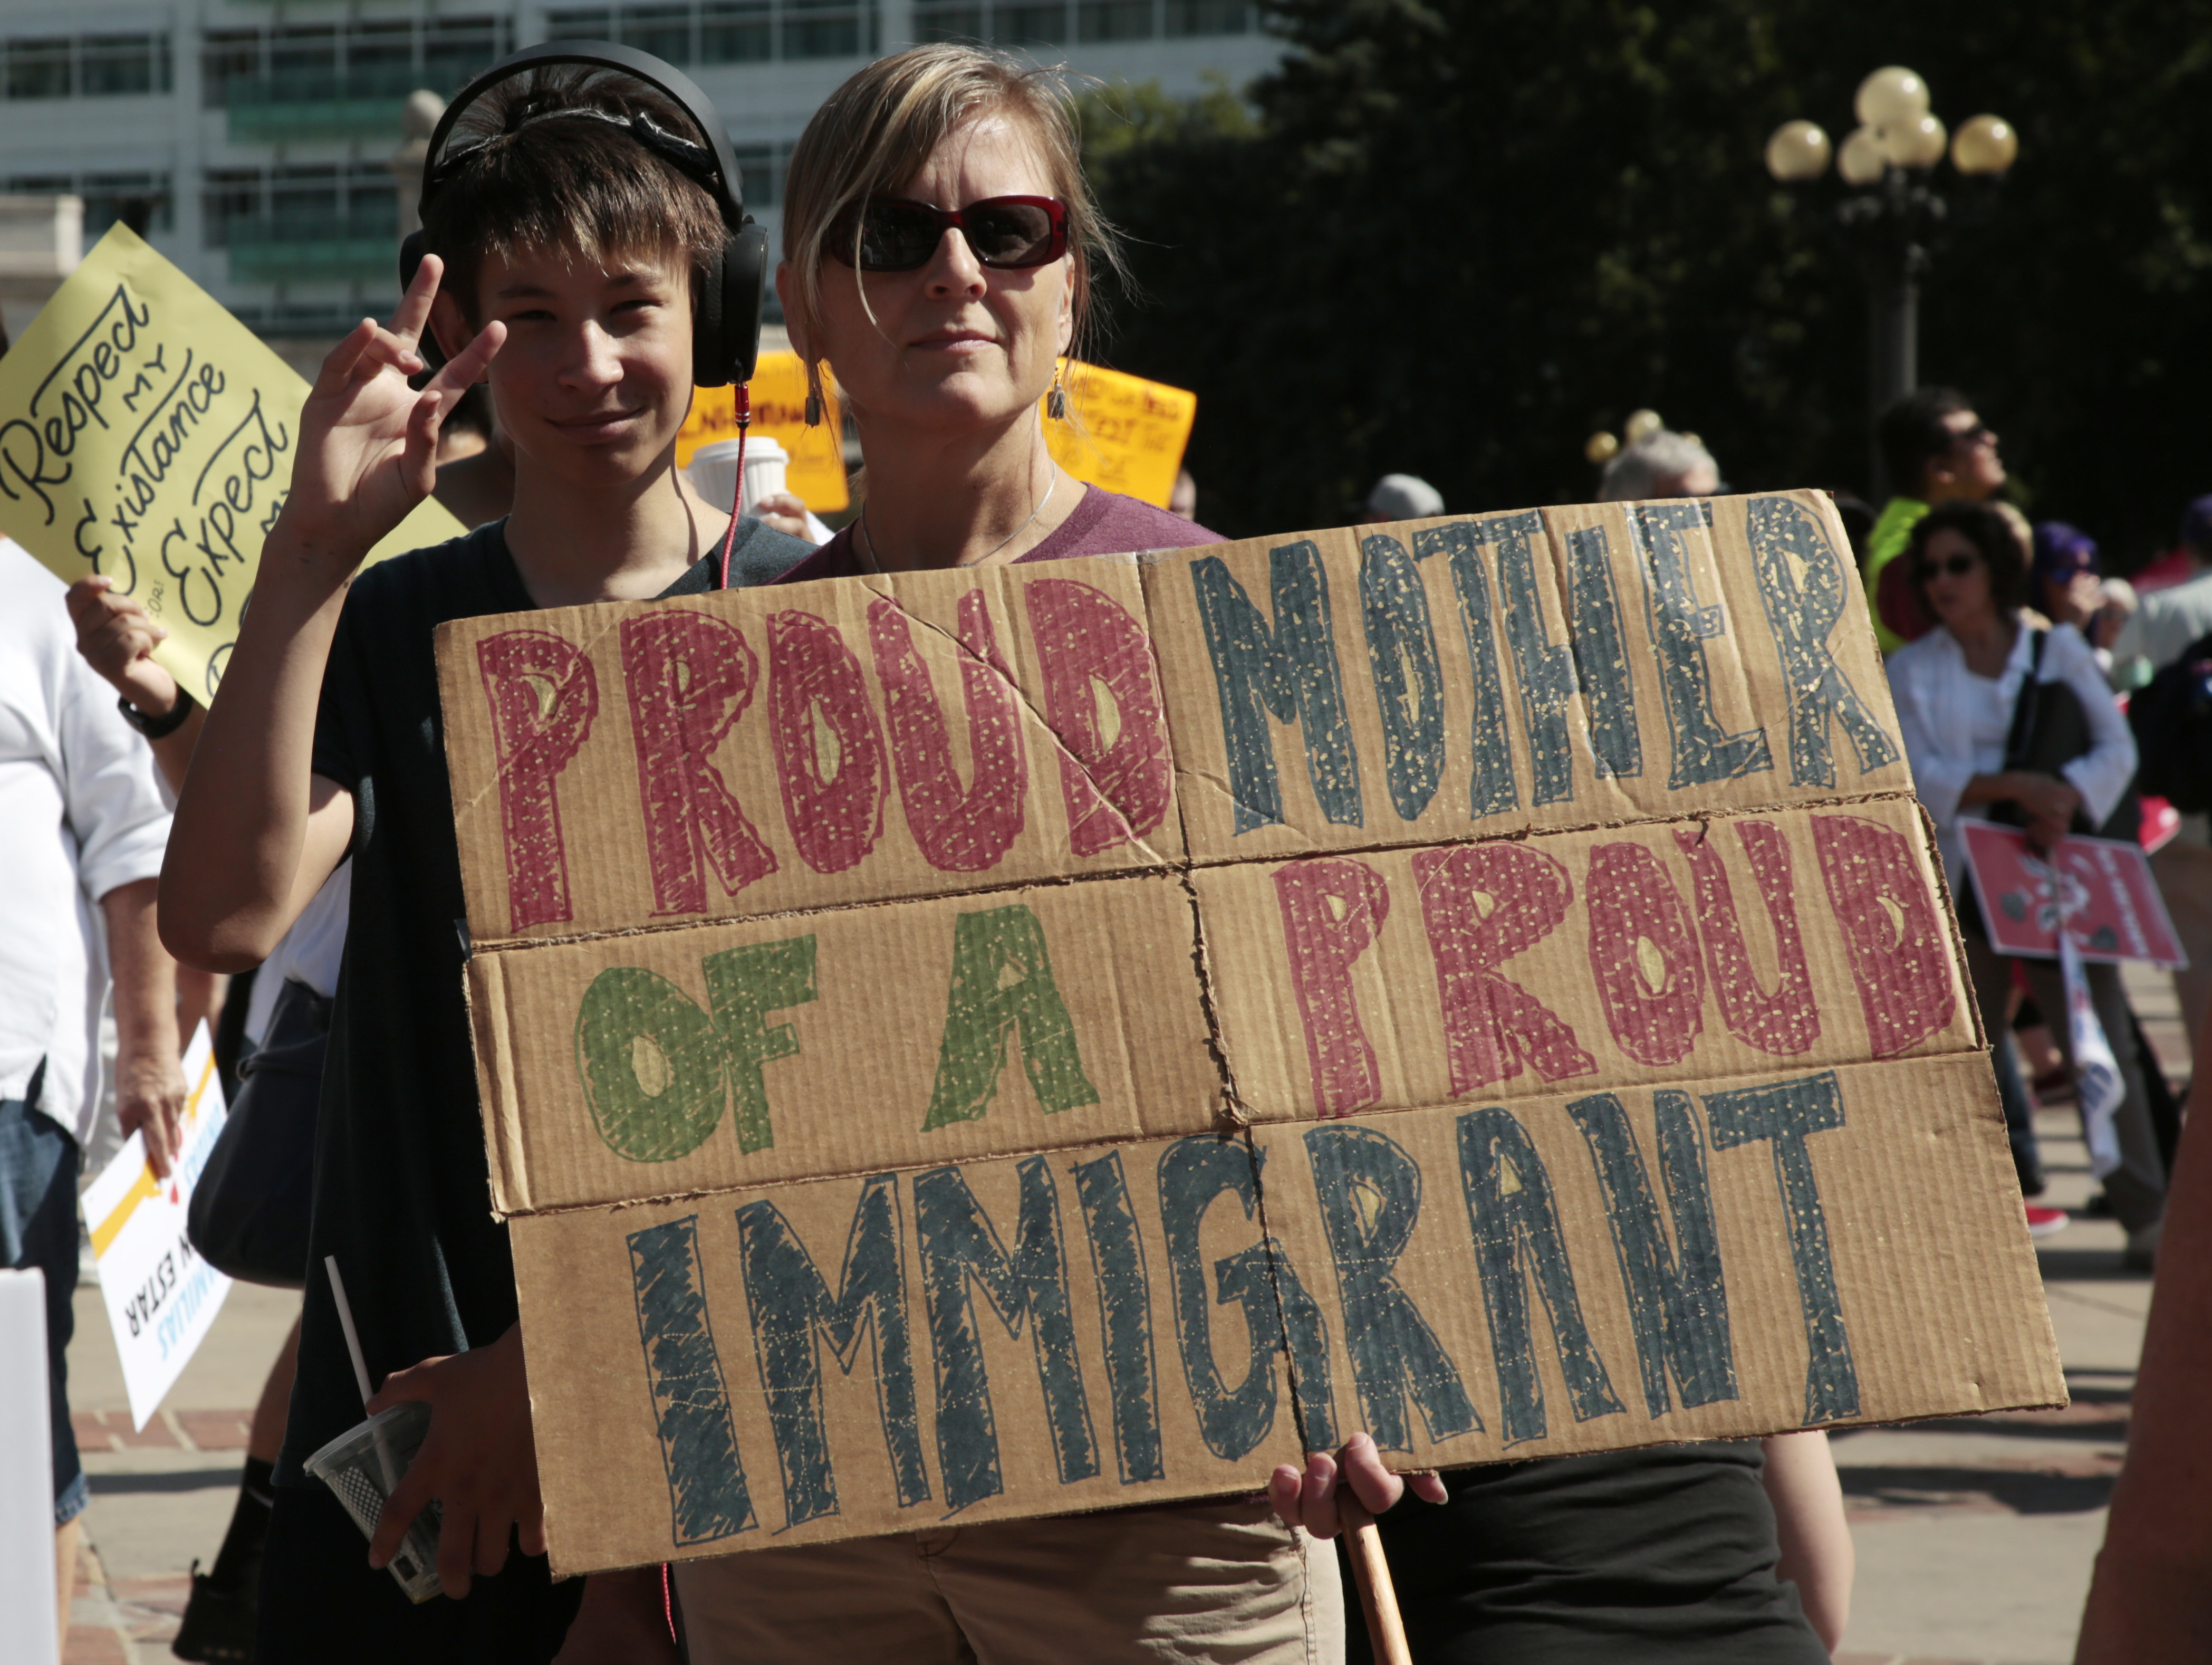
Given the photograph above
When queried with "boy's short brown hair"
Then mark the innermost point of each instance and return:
(541, 163)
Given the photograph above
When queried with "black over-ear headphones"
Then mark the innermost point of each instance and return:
(725, 330)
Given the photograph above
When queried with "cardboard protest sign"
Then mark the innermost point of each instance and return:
(1125, 434)
(161, 1298)
(778, 395)
(1139, 1022)
(2103, 888)
(147, 434)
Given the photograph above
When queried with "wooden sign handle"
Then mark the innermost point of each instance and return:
(1371, 1574)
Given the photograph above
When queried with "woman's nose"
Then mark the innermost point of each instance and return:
(954, 269)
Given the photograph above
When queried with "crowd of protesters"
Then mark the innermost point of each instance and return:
(941, 249)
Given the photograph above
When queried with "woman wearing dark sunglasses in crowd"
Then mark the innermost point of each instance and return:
(1958, 702)
(941, 239)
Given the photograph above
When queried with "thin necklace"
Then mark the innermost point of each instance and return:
(869, 563)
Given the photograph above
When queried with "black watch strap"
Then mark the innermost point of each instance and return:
(158, 727)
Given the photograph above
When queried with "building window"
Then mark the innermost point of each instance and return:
(1208, 17)
(760, 173)
(116, 65)
(1115, 20)
(933, 20)
(728, 31)
(738, 33)
(40, 69)
(1023, 26)
(228, 57)
(827, 28)
(142, 199)
(1040, 22)
(664, 31)
(329, 64)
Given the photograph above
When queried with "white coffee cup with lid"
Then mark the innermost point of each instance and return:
(714, 470)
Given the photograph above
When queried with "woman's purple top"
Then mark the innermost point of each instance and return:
(1103, 523)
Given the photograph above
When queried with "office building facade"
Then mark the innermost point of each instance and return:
(253, 138)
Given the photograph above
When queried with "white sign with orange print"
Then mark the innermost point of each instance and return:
(161, 1297)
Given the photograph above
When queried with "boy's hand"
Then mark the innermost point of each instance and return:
(478, 1460)
(368, 443)
(1308, 1499)
(117, 640)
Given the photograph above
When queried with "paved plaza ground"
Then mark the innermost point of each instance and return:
(1975, 1535)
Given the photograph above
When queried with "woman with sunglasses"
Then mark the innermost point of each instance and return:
(1958, 691)
(940, 241)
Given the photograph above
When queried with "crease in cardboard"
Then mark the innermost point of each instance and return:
(1063, 758)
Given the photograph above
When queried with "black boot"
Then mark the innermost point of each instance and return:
(219, 1620)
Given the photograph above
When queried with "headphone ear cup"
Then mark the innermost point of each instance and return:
(744, 290)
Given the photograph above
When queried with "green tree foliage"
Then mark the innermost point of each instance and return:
(1458, 238)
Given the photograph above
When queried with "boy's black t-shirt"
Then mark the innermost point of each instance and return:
(402, 1192)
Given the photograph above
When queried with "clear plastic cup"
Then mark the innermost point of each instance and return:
(364, 1466)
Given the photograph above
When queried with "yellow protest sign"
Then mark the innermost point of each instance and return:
(817, 470)
(1127, 434)
(147, 434)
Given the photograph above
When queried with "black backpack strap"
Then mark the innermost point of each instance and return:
(2022, 738)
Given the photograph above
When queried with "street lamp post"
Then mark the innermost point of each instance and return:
(1893, 209)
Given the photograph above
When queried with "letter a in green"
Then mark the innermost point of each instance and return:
(1001, 976)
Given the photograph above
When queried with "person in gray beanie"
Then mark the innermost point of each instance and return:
(1402, 498)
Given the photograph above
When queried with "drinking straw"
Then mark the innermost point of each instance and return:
(360, 1367)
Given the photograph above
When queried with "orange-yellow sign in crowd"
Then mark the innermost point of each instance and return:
(1125, 434)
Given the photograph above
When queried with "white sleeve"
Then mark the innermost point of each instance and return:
(1938, 777)
(110, 792)
(2102, 773)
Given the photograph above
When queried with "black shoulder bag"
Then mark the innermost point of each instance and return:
(2050, 729)
(249, 1212)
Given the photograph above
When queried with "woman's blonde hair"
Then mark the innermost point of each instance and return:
(874, 133)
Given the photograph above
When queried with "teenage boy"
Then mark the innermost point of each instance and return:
(564, 264)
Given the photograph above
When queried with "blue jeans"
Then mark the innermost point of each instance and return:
(38, 1228)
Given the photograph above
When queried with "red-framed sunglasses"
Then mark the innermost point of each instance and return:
(895, 234)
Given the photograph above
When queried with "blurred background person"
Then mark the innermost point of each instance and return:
(1402, 498)
(2169, 626)
(1182, 501)
(1934, 449)
(1661, 465)
(2168, 622)
(2071, 588)
(83, 826)
(1958, 691)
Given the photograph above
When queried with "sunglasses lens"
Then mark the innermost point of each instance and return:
(1010, 234)
(897, 236)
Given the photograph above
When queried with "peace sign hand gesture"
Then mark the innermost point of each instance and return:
(368, 442)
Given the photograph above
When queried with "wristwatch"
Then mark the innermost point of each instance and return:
(158, 727)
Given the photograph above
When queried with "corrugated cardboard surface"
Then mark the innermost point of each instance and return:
(616, 767)
(1041, 1039)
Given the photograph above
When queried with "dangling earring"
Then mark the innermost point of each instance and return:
(1055, 402)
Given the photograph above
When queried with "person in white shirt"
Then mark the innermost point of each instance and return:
(2167, 624)
(1957, 691)
(83, 826)
(117, 640)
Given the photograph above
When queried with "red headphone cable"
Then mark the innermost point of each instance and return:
(738, 497)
